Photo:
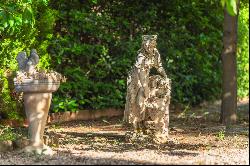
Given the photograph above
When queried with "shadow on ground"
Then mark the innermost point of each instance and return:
(117, 143)
(195, 129)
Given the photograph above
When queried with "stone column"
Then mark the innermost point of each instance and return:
(37, 108)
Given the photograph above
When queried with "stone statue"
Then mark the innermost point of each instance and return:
(27, 64)
(148, 97)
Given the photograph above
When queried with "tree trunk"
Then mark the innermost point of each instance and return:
(229, 79)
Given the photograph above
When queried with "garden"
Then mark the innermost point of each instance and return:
(91, 47)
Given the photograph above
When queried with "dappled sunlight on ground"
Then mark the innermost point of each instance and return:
(199, 139)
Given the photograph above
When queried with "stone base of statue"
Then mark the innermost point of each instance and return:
(37, 96)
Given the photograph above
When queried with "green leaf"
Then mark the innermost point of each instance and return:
(231, 6)
(233, 3)
(94, 1)
(11, 22)
(223, 2)
(45, 2)
(5, 24)
(28, 16)
(18, 19)
(61, 105)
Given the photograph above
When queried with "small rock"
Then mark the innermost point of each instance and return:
(6, 146)
(21, 143)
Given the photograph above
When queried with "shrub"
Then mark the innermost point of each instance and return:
(97, 44)
(94, 44)
(243, 50)
(22, 27)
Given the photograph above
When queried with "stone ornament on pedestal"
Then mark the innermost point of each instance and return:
(37, 87)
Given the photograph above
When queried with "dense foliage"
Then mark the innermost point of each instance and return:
(243, 50)
(21, 29)
(94, 44)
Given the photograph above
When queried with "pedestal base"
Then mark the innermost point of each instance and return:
(41, 150)
(37, 108)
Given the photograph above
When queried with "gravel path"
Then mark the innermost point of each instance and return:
(199, 140)
(189, 149)
(145, 157)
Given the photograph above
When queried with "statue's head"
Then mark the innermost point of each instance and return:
(149, 42)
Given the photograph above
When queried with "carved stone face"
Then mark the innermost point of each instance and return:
(149, 42)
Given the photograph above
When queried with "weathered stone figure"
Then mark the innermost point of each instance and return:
(143, 95)
(27, 64)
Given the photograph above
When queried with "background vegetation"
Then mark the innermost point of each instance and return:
(94, 44)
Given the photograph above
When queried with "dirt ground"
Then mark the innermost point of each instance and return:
(199, 139)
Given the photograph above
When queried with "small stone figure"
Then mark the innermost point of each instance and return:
(27, 64)
(140, 94)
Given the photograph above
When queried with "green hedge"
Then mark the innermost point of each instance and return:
(97, 44)
(243, 50)
(94, 44)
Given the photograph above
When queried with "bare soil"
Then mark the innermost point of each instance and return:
(199, 139)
